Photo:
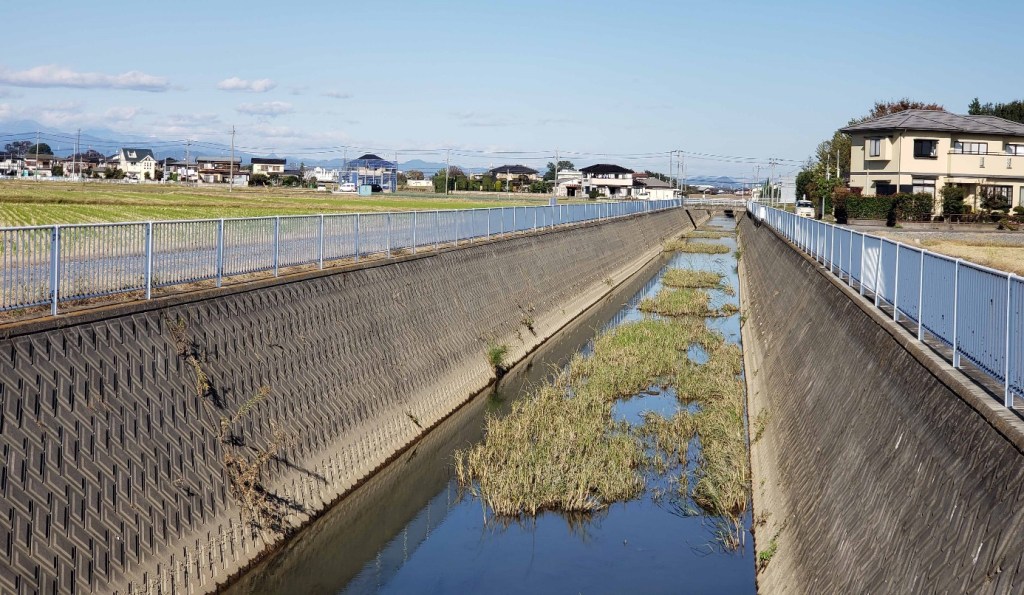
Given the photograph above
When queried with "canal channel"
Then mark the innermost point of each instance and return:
(411, 529)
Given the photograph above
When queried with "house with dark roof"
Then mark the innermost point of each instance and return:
(370, 169)
(612, 181)
(514, 173)
(268, 165)
(138, 164)
(924, 150)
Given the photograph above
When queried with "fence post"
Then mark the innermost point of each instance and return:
(455, 217)
(832, 249)
(54, 270)
(357, 237)
(277, 243)
(513, 220)
(878, 268)
(849, 261)
(437, 228)
(896, 287)
(501, 217)
(1007, 395)
(920, 299)
(863, 249)
(320, 254)
(534, 218)
(414, 232)
(956, 310)
(149, 260)
(220, 253)
(387, 233)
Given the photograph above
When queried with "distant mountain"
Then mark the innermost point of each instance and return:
(717, 181)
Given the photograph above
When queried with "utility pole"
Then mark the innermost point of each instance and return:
(36, 176)
(231, 165)
(188, 145)
(670, 167)
(447, 168)
(555, 186)
(78, 154)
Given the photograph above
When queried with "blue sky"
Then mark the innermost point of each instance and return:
(606, 81)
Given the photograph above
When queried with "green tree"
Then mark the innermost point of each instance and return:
(259, 180)
(1013, 110)
(403, 180)
(953, 199)
(805, 181)
(159, 175)
(994, 201)
(57, 170)
(18, 147)
(563, 165)
(41, 148)
(885, 108)
(414, 174)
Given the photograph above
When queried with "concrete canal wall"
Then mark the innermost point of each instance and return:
(878, 468)
(114, 476)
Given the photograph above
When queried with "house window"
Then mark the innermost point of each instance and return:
(925, 149)
(962, 148)
(996, 197)
(1014, 149)
(874, 147)
(924, 186)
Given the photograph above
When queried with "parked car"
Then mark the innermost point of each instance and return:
(347, 187)
(805, 208)
(376, 188)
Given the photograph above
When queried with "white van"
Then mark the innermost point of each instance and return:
(805, 208)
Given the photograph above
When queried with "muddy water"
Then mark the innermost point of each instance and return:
(408, 529)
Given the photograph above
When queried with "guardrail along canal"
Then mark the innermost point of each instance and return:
(681, 522)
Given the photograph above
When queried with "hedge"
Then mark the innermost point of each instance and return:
(909, 207)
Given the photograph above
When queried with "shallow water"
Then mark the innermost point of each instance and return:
(408, 529)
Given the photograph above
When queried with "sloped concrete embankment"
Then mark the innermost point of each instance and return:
(114, 477)
(878, 468)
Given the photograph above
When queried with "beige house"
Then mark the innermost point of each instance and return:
(612, 181)
(923, 150)
(268, 166)
(138, 164)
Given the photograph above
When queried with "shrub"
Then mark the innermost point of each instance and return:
(953, 200)
(594, 194)
(839, 210)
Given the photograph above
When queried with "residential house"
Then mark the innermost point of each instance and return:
(10, 164)
(137, 164)
(268, 166)
(84, 164)
(371, 169)
(322, 174)
(570, 183)
(652, 188)
(608, 180)
(217, 170)
(923, 150)
(185, 171)
(39, 165)
(514, 173)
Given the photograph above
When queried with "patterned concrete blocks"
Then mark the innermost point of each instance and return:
(112, 476)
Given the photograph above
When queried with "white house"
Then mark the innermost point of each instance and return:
(651, 188)
(10, 164)
(268, 166)
(322, 174)
(136, 163)
(570, 183)
(612, 181)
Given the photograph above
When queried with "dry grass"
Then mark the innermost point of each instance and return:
(708, 234)
(685, 301)
(1002, 257)
(691, 278)
(683, 245)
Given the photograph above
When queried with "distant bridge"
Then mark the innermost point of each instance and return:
(715, 203)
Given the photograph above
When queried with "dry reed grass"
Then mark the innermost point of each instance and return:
(684, 245)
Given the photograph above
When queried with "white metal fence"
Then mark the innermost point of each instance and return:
(976, 311)
(55, 264)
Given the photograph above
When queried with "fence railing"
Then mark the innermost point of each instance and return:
(56, 264)
(703, 201)
(976, 311)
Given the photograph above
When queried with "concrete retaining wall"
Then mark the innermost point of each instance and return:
(114, 477)
(879, 469)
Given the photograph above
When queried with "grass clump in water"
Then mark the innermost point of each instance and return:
(707, 234)
(561, 449)
(723, 478)
(683, 245)
(685, 301)
(690, 278)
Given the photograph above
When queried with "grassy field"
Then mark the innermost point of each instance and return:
(46, 203)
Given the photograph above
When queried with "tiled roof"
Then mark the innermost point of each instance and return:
(936, 121)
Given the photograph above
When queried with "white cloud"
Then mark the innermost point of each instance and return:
(268, 108)
(123, 114)
(57, 76)
(338, 95)
(237, 84)
(481, 120)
